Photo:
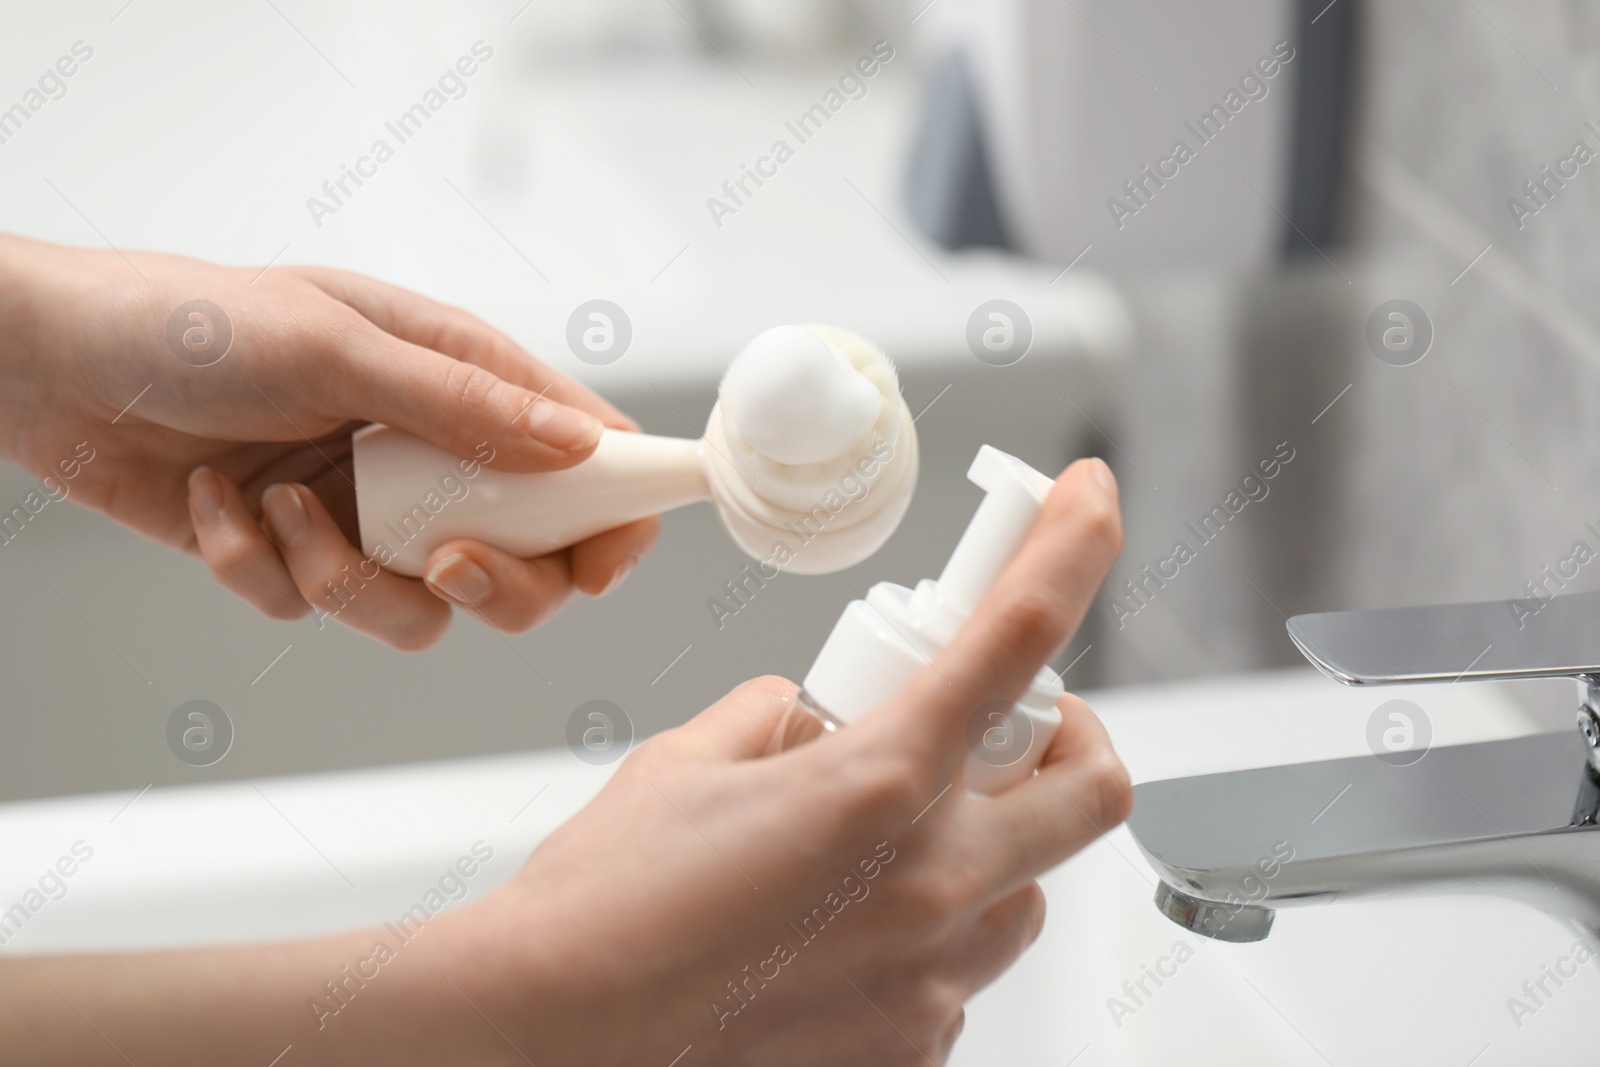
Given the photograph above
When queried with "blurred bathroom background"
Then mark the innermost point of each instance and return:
(1186, 318)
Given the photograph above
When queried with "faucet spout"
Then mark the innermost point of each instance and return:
(1514, 818)
(1218, 920)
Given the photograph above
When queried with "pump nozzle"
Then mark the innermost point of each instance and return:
(880, 642)
(1016, 494)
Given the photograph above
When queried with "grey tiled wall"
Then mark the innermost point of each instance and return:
(1456, 478)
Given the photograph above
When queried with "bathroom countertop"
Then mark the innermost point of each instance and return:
(1427, 978)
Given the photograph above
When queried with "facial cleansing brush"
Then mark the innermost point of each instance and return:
(809, 457)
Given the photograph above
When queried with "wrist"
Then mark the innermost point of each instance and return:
(19, 332)
(567, 988)
(67, 331)
(409, 994)
(330, 998)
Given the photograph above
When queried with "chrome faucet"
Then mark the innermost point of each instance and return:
(1518, 818)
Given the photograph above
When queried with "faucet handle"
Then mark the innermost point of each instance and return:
(1555, 637)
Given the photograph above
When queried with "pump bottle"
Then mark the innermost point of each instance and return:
(880, 642)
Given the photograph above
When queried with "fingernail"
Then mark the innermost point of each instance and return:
(562, 427)
(460, 579)
(1103, 475)
(205, 493)
(621, 575)
(286, 514)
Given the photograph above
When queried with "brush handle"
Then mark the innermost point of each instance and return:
(412, 497)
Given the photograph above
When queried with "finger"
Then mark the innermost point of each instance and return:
(233, 545)
(457, 333)
(461, 407)
(1080, 793)
(747, 723)
(338, 581)
(507, 593)
(602, 562)
(1026, 617)
(1002, 932)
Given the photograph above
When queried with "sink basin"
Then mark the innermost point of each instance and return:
(1414, 980)
(1407, 980)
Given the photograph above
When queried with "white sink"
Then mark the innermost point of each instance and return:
(1408, 981)
(1413, 980)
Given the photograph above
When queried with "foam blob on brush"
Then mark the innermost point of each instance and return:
(814, 456)
(796, 399)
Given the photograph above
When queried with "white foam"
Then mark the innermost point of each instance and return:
(797, 399)
(847, 504)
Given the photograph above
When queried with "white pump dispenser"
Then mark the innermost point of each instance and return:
(879, 643)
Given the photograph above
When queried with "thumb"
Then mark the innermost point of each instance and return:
(759, 718)
(461, 406)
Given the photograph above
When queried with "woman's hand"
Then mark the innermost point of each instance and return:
(228, 436)
(833, 903)
(726, 899)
